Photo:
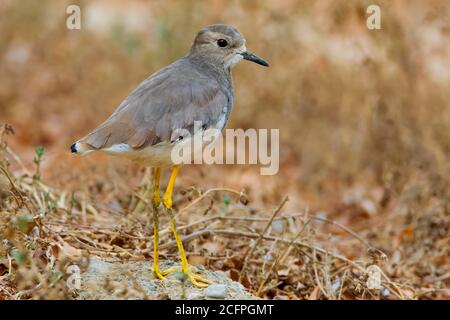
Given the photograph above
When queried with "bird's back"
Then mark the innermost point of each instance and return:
(170, 99)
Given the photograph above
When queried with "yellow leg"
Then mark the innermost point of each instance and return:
(155, 189)
(195, 279)
(156, 201)
(170, 185)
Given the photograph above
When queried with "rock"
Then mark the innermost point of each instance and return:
(134, 280)
(335, 286)
(281, 297)
(278, 226)
(368, 206)
(217, 291)
(195, 296)
(385, 292)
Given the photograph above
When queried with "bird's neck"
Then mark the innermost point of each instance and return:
(211, 67)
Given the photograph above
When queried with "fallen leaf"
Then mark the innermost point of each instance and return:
(70, 251)
(314, 294)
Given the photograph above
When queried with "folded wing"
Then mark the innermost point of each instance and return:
(171, 99)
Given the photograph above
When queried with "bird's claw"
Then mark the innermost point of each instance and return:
(195, 279)
(158, 274)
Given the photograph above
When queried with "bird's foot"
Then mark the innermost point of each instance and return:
(158, 274)
(187, 274)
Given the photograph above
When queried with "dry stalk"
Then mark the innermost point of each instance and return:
(233, 233)
(279, 259)
(250, 251)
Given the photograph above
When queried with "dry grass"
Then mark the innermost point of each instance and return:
(283, 256)
(364, 122)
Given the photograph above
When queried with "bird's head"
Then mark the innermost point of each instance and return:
(223, 45)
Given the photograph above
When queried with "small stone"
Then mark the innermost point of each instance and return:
(281, 297)
(385, 292)
(335, 286)
(194, 296)
(267, 257)
(217, 291)
(278, 226)
(368, 206)
(300, 286)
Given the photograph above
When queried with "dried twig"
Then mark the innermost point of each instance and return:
(204, 194)
(250, 251)
(233, 233)
(279, 259)
(13, 185)
(285, 217)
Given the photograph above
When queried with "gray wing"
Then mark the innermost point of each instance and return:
(171, 99)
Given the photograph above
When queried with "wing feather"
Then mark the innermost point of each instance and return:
(171, 99)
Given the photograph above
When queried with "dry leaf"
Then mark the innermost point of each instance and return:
(314, 294)
(70, 251)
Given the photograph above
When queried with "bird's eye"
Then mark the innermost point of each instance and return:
(222, 43)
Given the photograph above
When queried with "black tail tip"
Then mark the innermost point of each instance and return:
(73, 148)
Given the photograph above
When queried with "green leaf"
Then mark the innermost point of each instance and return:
(40, 151)
(226, 200)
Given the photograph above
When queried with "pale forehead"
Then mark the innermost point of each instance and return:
(222, 30)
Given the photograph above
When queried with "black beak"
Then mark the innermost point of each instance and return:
(252, 57)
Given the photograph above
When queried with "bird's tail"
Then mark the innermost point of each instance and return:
(81, 148)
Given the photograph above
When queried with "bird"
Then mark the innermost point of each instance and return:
(197, 87)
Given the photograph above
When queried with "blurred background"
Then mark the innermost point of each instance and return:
(364, 115)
